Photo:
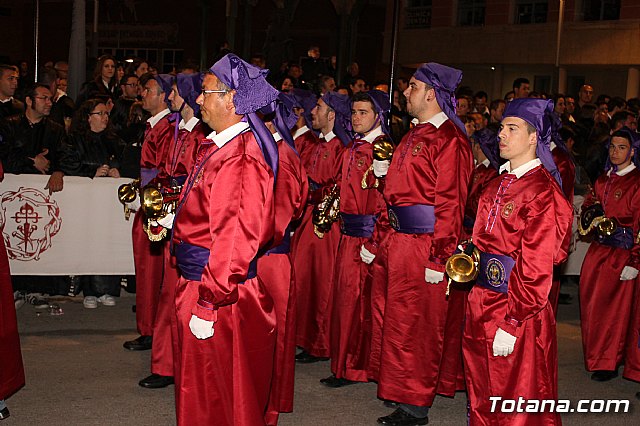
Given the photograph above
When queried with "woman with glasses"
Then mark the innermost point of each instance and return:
(97, 150)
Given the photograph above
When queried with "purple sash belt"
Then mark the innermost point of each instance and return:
(416, 219)
(147, 175)
(494, 272)
(192, 259)
(622, 238)
(285, 245)
(357, 225)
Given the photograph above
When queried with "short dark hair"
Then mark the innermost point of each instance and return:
(126, 77)
(616, 102)
(31, 92)
(5, 67)
(495, 103)
(363, 97)
(619, 118)
(519, 82)
(481, 94)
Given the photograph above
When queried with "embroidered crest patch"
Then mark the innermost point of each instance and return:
(495, 273)
(360, 163)
(508, 209)
(325, 155)
(416, 149)
(618, 194)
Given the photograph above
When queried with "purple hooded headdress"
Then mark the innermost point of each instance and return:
(306, 100)
(381, 106)
(342, 107)
(165, 81)
(252, 92)
(488, 141)
(634, 140)
(281, 114)
(189, 87)
(539, 114)
(444, 80)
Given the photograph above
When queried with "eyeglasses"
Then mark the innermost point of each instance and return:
(44, 98)
(207, 92)
(100, 113)
(129, 84)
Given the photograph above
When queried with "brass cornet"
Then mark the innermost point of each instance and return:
(463, 267)
(326, 212)
(156, 204)
(382, 150)
(127, 193)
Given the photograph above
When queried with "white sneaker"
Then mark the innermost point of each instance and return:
(38, 300)
(90, 302)
(18, 299)
(107, 300)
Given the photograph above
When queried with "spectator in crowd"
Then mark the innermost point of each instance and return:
(616, 104)
(402, 84)
(137, 66)
(343, 90)
(570, 104)
(258, 60)
(63, 106)
(463, 105)
(585, 96)
(327, 84)
(133, 135)
(356, 85)
(496, 109)
(62, 69)
(8, 84)
(104, 81)
(480, 100)
(25, 78)
(286, 85)
(295, 72)
(313, 67)
(559, 106)
(521, 88)
(510, 95)
(97, 150)
(353, 70)
(122, 105)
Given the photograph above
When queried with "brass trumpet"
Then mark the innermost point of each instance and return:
(127, 193)
(593, 218)
(382, 151)
(463, 267)
(326, 212)
(606, 227)
(156, 204)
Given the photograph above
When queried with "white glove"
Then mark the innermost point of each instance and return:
(433, 277)
(167, 221)
(503, 343)
(200, 328)
(380, 168)
(366, 256)
(628, 273)
(134, 205)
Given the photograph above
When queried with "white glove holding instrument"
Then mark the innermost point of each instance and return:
(433, 277)
(167, 221)
(366, 256)
(134, 205)
(628, 273)
(200, 328)
(503, 343)
(380, 168)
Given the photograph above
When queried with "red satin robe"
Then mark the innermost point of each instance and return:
(605, 301)
(528, 223)
(225, 379)
(313, 258)
(481, 176)
(148, 256)
(431, 166)
(351, 312)
(11, 368)
(568, 174)
(274, 269)
(183, 152)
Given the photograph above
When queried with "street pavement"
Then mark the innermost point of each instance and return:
(78, 374)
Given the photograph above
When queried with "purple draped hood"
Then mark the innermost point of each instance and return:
(382, 106)
(342, 107)
(189, 87)
(306, 100)
(488, 141)
(165, 81)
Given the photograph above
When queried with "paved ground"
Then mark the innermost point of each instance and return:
(79, 374)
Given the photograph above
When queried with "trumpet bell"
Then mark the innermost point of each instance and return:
(152, 203)
(461, 268)
(607, 227)
(383, 149)
(127, 193)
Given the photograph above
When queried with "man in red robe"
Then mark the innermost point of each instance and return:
(360, 206)
(11, 368)
(608, 279)
(274, 268)
(313, 257)
(509, 344)
(148, 256)
(425, 188)
(190, 131)
(225, 318)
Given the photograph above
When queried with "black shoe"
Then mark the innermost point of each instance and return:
(604, 375)
(156, 381)
(333, 382)
(142, 343)
(402, 418)
(564, 299)
(4, 413)
(305, 357)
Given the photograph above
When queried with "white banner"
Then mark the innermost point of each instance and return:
(78, 231)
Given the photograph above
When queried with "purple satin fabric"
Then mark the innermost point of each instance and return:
(285, 245)
(147, 175)
(283, 117)
(342, 106)
(189, 87)
(494, 271)
(622, 238)
(165, 81)
(488, 141)
(382, 106)
(415, 219)
(252, 93)
(306, 100)
(539, 114)
(191, 260)
(357, 225)
(444, 80)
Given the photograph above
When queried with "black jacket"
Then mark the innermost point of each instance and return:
(12, 107)
(92, 151)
